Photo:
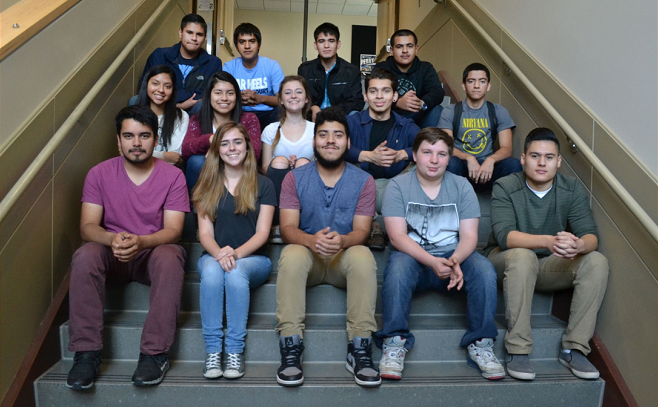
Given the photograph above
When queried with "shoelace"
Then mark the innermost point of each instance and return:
(486, 354)
(291, 355)
(214, 360)
(233, 361)
(363, 357)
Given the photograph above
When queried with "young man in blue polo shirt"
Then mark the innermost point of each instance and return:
(326, 210)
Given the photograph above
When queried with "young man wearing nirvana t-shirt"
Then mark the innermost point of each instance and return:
(381, 139)
(476, 128)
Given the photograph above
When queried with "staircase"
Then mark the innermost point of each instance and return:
(435, 371)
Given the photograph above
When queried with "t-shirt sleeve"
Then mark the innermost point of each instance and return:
(580, 219)
(268, 134)
(503, 216)
(288, 199)
(92, 190)
(504, 119)
(447, 115)
(277, 77)
(366, 204)
(178, 198)
(267, 193)
(393, 201)
(469, 207)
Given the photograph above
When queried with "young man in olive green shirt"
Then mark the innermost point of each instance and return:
(544, 238)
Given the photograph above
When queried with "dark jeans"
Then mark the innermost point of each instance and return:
(266, 117)
(404, 276)
(193, 170)
(502, 168)
(276, 175)
(427, 118)
(94, 265)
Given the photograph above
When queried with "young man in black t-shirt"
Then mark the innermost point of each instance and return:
(381, 140)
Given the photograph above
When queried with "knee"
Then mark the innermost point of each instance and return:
(520, 262)
(597, 266)
(456, 166)
(86, 256)
(280, 163)
(170, 261)
(210, 271)
(360, 260)
(295, 261)
(301, 161)
(399, 271)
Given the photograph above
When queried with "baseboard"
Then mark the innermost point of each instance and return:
(617, 393)
(43, 353)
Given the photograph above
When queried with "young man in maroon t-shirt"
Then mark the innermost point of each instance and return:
(133, 208)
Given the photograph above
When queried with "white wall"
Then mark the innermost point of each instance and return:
(282, 34)
(616, 40)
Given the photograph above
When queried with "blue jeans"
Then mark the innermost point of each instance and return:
(193, 170)
(404, 276)
(427, 118)
(504, 167)
(251, 272)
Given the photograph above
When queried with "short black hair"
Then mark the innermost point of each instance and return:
(327, 29)
(332, 114)
(246, 29)
(194, 19)
(540, 134)
(381, 73)
(433, 135)
(140, 114)
(476, 66)
(403, 33)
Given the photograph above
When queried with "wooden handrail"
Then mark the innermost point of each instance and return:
(24, 19)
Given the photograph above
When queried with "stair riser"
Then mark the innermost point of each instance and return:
(501, 394)
(320, 299)
(321, 345)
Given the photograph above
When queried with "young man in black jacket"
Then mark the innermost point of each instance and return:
(420, 89)
(332, 80)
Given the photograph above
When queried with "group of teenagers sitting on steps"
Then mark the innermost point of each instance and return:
(325, 182)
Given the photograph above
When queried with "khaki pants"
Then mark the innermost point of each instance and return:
(354, 269)
(521, 273)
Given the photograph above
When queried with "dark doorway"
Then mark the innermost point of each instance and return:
(364, 41)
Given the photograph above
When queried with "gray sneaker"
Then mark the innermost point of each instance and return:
(577, 362)
(213, 367)
(234, 367)
(359, 362)
(519, 367)
(481, 356)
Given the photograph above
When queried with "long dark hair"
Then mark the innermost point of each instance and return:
(171, 112)
(206, 114)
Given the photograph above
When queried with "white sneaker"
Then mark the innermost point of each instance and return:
(482, 357)
(392, 361)
(213, 368)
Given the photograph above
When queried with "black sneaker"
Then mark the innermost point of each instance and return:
(290, 371)
(86, 366)
(359, 362)
(150, 370)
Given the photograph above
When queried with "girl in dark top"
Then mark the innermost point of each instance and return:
(234, 207)
(158, 92)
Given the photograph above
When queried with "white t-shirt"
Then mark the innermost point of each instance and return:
(302, 148)
(180, 128)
